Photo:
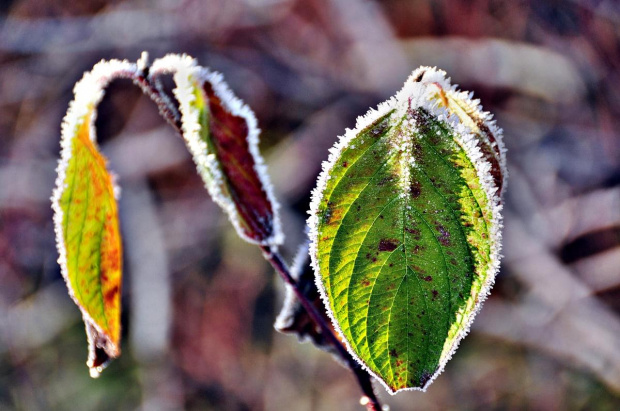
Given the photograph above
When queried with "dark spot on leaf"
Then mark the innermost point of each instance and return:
(435, 294)
(379, 129)
(345, 164)
(425, 377)
(388, 244)
(444, 235)
(381, 216)
(374, 259)
(418, 269)
(393, 352)
(427, 278)
(415, 189)
(327, 215)
(365, 282)
(435, 140)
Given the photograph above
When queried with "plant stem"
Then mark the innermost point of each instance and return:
(363, 378)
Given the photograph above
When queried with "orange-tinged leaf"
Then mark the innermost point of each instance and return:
(86, 220)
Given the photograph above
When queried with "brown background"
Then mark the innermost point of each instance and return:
(199, 304)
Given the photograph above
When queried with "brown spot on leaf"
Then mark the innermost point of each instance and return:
(111, 294)
(444, 235)
(435, 294)
(345, 164)
(418, 269)
(388, 244)
(428, 278)
(415, 189)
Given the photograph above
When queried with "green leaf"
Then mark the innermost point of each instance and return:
(222, 134)
(405, 229)
(86, 219)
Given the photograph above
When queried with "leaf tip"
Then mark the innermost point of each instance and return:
(101, 350)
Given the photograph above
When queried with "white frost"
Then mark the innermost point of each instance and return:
(417, 92)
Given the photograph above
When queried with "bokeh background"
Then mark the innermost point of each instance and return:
(199, 304)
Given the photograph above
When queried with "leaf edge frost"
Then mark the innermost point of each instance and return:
(419, 88)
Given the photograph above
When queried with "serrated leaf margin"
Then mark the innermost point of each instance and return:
(418, 89)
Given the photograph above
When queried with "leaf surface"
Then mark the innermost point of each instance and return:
(222, 135)
(405, 229)
(86, 219)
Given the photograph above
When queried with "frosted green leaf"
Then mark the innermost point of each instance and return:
(405, 228)
(86, 218)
